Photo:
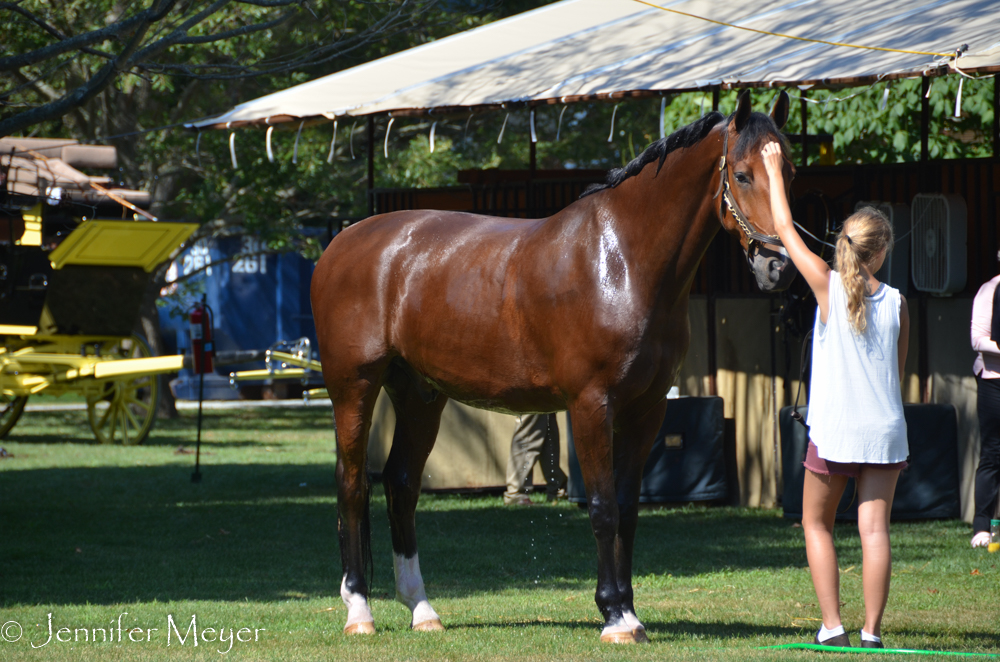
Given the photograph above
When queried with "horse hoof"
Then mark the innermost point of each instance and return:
(433, 625)
(364, 627)
(618, 638)
(639, 634)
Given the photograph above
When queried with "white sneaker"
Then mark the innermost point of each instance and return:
(981, 539)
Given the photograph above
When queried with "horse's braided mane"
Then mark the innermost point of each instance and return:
(758, 127)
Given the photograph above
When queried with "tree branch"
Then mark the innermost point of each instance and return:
(37, 82)
(271, 3)
(177, 34)
(96, 84)
(72, 43)
(387, 26)
(237, 32)
(48, 28)
(164, 24)
(10, 6)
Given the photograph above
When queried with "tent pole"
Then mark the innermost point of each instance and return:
(996, 119)
(371, 165)
(923, 350)
(530, 190)
(804, 112)
(708, 261)
(925, 119)
(923, 345)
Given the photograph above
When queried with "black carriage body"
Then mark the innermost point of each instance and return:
(74, 300)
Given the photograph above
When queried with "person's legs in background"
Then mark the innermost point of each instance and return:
(525, 446)
(555, 477)
(988, 472)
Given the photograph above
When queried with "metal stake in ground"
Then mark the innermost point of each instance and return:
(202, 350)
(196, 476)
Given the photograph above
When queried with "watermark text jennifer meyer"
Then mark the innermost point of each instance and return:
(176, 632)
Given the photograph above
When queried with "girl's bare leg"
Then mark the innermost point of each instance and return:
(876, 488)
(820, 496)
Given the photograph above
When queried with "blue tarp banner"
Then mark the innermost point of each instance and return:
(257, 299)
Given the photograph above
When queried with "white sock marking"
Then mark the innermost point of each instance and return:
(357, 606)
(632, 620)
(410, 588)
(622, 626)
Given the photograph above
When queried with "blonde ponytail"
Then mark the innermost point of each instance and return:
(865, 234)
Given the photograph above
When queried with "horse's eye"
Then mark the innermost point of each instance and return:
(741, 178)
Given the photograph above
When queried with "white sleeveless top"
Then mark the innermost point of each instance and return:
(855, 406)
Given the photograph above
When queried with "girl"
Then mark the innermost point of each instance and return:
(855, 407)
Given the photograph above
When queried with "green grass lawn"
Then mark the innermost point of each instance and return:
(89, 532)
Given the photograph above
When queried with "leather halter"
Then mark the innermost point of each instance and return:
(729, 202)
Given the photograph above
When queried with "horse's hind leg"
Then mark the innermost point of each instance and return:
(633, 441)
(417, 423)
(352, 412)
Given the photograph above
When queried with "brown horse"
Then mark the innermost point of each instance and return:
(585, 311)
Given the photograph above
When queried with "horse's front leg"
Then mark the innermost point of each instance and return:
(591, 420)
(632, 442)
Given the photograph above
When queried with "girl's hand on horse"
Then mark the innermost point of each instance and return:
(773, 161)
(812, 267)
(781, 215)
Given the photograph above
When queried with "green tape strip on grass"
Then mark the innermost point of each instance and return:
(879, 651)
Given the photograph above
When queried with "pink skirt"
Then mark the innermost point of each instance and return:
(818, 465)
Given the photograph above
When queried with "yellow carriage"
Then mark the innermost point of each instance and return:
(70, 292)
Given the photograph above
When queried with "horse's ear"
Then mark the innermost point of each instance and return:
(743, 109)
(779, 113)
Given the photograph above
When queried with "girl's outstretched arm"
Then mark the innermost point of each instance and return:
(811, 266)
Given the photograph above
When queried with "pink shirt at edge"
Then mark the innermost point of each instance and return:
(988, 361)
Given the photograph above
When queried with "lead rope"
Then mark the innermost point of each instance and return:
(802, 376)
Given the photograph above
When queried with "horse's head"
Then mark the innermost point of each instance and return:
(744, 192)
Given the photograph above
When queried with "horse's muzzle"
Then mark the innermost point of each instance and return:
(772, 267)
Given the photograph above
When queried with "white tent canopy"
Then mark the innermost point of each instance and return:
(592, 49)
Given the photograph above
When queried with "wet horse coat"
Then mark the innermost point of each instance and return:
(585, 311)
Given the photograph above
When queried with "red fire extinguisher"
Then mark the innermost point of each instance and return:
(202, 347)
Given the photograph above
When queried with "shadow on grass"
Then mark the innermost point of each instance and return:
(266, 532)
(659, 631)
(973, 640)
(71, 427)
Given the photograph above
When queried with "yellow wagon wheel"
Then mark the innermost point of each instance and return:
(11, 408)
(125, 409)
